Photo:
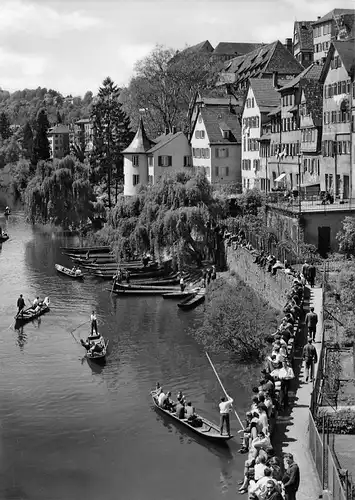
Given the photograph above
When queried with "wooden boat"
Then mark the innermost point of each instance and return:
(191, 302)
(145, 292)
(30, 313)
(164, 281)
(209, 430)
(4, 237)
(179, 294)
(77, 250)
(76, 275)
(120, 286)
(107, 275)
(95, 340)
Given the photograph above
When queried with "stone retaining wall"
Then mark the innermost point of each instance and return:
(271, 288)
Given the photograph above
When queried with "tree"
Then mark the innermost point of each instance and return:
(163, 85)
(236, 320)
(111, 133)
(346, 236)
(59, 117)
(60, 193)
(41, 144)
(5, 130)
(27, 141)
(175, 217)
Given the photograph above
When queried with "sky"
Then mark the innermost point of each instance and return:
(72, 45)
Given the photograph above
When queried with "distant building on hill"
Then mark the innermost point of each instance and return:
(303, 42)
(81, 134)
(58, 137)
(146, 160)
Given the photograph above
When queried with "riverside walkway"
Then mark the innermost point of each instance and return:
(296, 422)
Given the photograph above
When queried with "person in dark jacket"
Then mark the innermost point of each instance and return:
(291, 478)
(271, 491)
(310, 358)
(311, 274)
(20, 304)
(311, 321)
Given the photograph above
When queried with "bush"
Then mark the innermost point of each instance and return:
(236, 319)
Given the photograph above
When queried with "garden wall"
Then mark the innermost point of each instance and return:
(271, 288)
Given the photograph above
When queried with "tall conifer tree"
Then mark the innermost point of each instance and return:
(112, 133)
(41, 144)
(5, 130)
(27, 141)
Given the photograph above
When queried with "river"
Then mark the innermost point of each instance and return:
(70, 430)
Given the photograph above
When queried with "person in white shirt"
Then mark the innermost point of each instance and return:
(93, 323)
(162, 397)
(35, 303)
(258, 488)
(224, 409)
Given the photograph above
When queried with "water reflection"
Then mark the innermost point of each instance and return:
(21, 338)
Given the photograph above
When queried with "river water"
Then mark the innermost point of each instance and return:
(71, 430)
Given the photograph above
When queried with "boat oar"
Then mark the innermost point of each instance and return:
(225, 392)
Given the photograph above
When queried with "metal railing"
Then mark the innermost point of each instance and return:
(295, 205)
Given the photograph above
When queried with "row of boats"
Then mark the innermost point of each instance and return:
(147, 278)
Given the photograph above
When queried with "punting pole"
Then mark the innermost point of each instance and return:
(225, 392)
(82, 324)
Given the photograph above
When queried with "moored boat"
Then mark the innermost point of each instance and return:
(179, 295)
(120, 286)
(108, 275)
(149, 291)
(4, 237)
(84, 250)
(72, 273)
(191, 302)
(208, 429)
(96, 347)
(32, 313)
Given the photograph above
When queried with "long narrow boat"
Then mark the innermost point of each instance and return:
(152, 291)
(109, 275)
(30, 313)
(179, 295)
(4, 237)
(208, 430)
(192, 302)
(86, 249)
(120, 286)
(76, 275)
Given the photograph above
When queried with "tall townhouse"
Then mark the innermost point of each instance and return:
(58, 137)
(352, 168)
(303, 42)
(296, 132)
(216, 145)
(336, 24)
(337, 77)
(261, 99)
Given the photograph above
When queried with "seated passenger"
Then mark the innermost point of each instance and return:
(180, 397)
(190, 411)
(161, 398)
(180, 410)
(35, 303)
(168, 404)
(157, 390)
(37, 309)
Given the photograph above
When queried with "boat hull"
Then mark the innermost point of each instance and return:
(192, 302)
(209, 430)
(68, 272)
(179, 295)
(28, 316)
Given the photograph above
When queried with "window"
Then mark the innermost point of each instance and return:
(187, 161)
(165, 161)
(222, 153)
(199, 134)
(150, 161)
(135, 161)
(226, 171)
(207, 171)
(135, 179)
(216, 171)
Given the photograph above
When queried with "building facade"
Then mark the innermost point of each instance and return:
(216, 146)
(261, 98)
(146, 160)
(337, 101)
(303, 42)
(337, 24)
(58, 137)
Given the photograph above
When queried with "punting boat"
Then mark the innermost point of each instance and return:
(96, 347)
(4, 237)
(74, 274)
(191, 302)
(108, 275)
(86, 249)
(208, 430)
(146, 292)
(32, 313)
(179, 295)
(171, 279)
(120, 286)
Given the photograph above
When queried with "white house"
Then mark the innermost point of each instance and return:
(146, 160)
(216, 145)
(261, 98)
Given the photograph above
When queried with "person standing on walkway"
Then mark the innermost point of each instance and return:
(311, 321)
(312, 274)
(310, 358)
(291, 478)
(224, 409)
(305, 269)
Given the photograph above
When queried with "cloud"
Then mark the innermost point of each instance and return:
(42, 20)
(27, 65)
(129, 54)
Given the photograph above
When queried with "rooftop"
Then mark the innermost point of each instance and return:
(164, 139)
(218, 119)
(346, 53)
(305, 34)
(59, 129)
(332, 14)
(234, 48)
(140, 142)
(264, 92)
(313, 72)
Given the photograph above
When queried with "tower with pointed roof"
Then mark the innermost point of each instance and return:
(135, 166)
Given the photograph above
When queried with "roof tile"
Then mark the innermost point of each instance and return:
(215, 119)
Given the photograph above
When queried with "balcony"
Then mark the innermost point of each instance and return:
(294, 205)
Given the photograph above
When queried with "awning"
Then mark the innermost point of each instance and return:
(311, 184)
(280, 177)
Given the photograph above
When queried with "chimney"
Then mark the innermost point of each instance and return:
(318, 17)
(166, 131)
(174, 130)
(275, 80)
(288, 44)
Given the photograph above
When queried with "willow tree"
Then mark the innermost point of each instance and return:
(60, 193)
(176, 217)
